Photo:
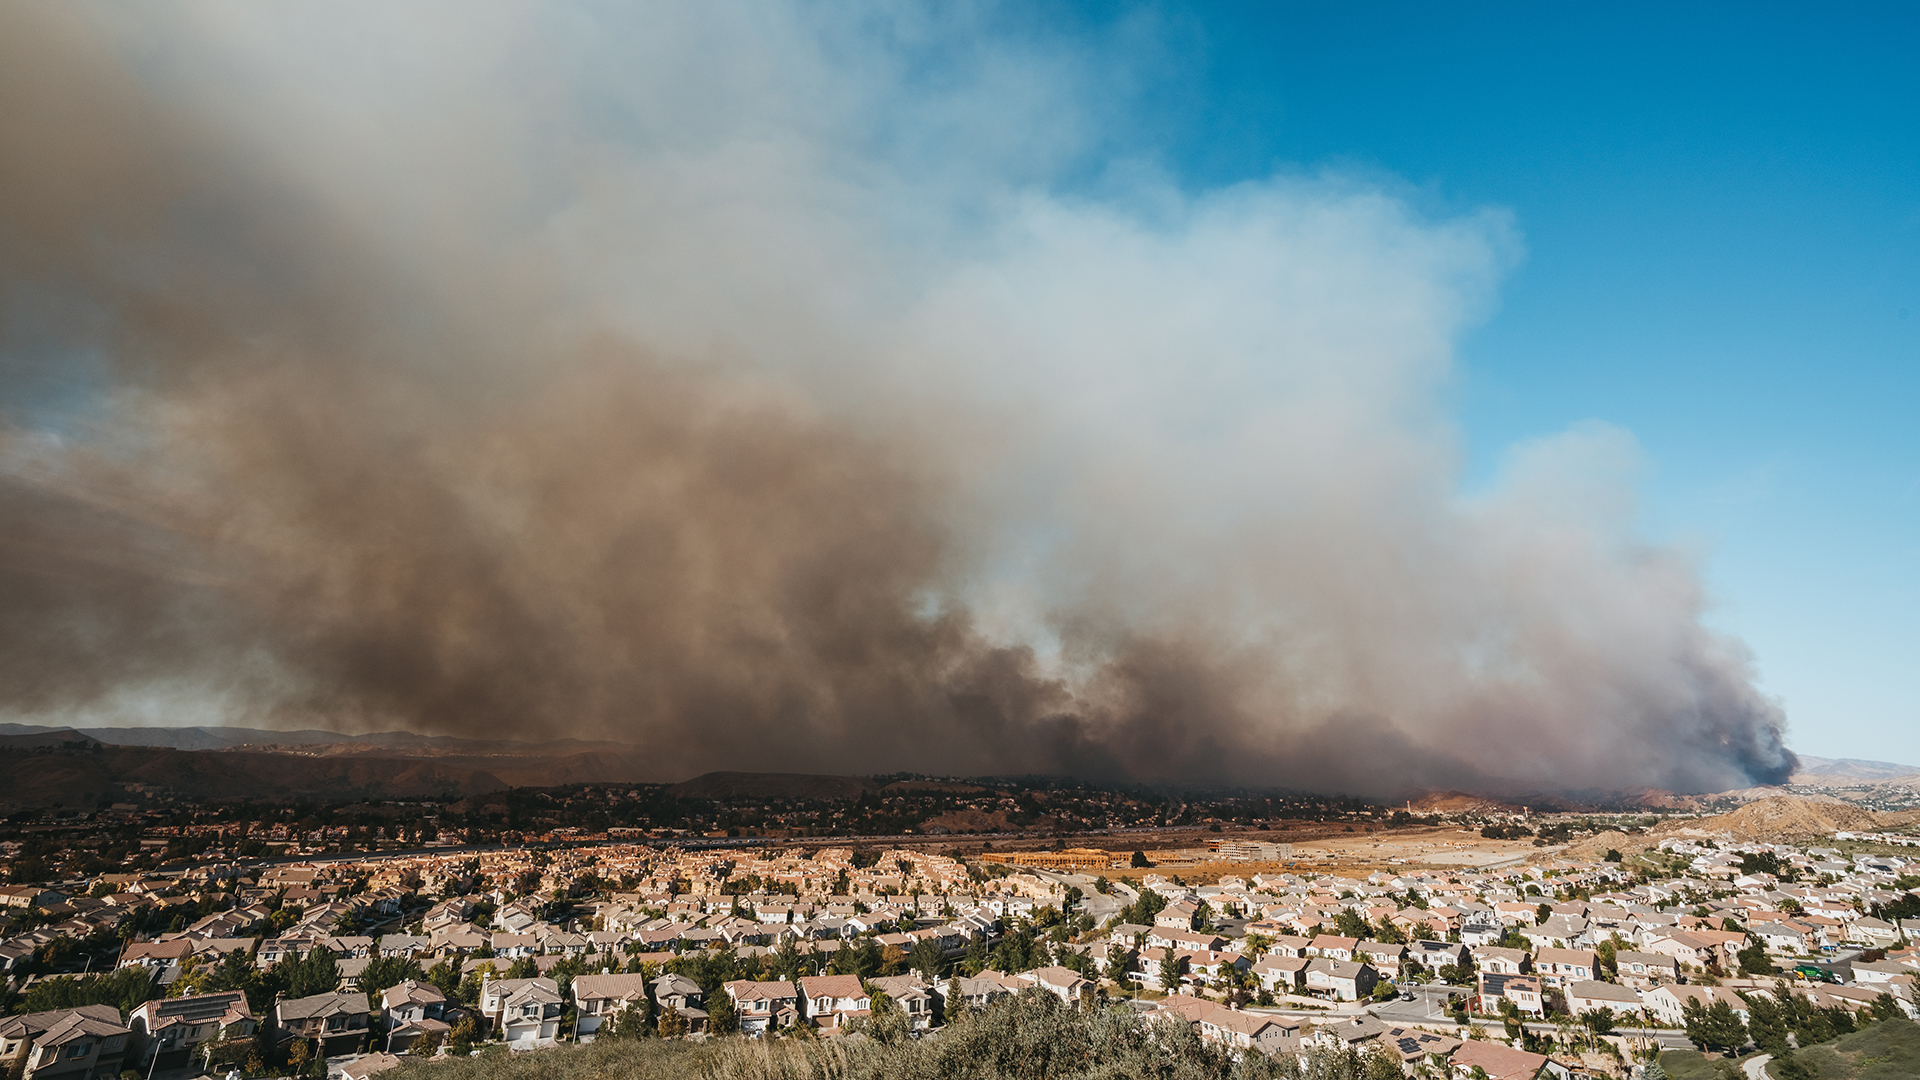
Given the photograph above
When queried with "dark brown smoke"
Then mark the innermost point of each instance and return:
(533, 431)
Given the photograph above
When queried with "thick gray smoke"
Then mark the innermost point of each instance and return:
(741, 383)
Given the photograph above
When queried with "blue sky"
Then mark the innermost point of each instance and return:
(1721, 211)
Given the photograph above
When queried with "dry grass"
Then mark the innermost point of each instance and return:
(1032, 1037)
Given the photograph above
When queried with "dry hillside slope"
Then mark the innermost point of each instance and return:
(1778, 819)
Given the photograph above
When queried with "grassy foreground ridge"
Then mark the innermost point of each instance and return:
(1031, 1037)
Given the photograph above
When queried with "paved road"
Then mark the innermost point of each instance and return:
(1756, 1066)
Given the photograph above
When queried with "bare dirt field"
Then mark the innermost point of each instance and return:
(1323, 850)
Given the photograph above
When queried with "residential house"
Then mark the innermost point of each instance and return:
(403, 946)
(1668, 1003)
(1246, 1031)
(1282, 974)
(174, 1028)
(761, 1006)
(338, 1021)
(1416, 1048)
(1499, 961)
(1645, 970)
(1341, 979)
(1184, 915)
(1186, 940)
(515, 946)
(684, 996)
(363, 1068)
(1558, 967)
(1558, 932)
(1063, 983)
(87, 1043)
(526, 1011)
(1781, 939)
(1380, 954)
(829, 1001)
(1288, 945)
(1332, 947)
(413, 1010)
(912, 996)
(1523, 991)
(28, 897)
(979, 991)
(1438, 954)
(1591, 996)
(156, 955)
(597, 999)
(1872, 933)
(1498, 1061)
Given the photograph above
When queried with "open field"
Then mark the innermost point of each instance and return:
(1317, 848)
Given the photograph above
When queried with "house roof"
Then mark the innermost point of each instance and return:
(412, 991)
(899, 987)
(671, 983)
(750, 990)
(609, 987)
(364, 1067)
(1064, 978)
(1411, 1044)
(1500, 1061)
(101, 1020)
(1600, 991)
(837, 986)
(226, 1007)
(520, 991)
(307, 1008)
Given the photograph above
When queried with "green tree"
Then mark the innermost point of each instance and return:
(445, 977)
(1754, 960)
(1169, 970)
(384, 971)
(1714, 1028)
(1350, 923)
(928, 959)
(1599, 1021)
(721, 1019)
(318, 972)
(977, 958)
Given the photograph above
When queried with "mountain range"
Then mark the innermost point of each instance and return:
(75, 767)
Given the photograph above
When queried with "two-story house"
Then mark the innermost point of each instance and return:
(87, 1043)
(413, 1010)
(173, 1028)
(684, 996)
(525, 1011)
(829, 1001)
(762, 1006)
(597, 999)
(1557, 968)
(338, 1021)
(1341, 980)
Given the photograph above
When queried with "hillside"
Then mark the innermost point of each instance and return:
(1787, 818)
(1028, 1037)
(1456, 802)
(1847, 772)
(1889, 1050)
(752, 785)
(87, 774)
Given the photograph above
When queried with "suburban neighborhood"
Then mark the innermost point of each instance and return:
(1552, 964)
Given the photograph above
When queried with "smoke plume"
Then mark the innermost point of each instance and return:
(773, 389)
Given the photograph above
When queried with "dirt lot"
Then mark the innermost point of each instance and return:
(1323, 850)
